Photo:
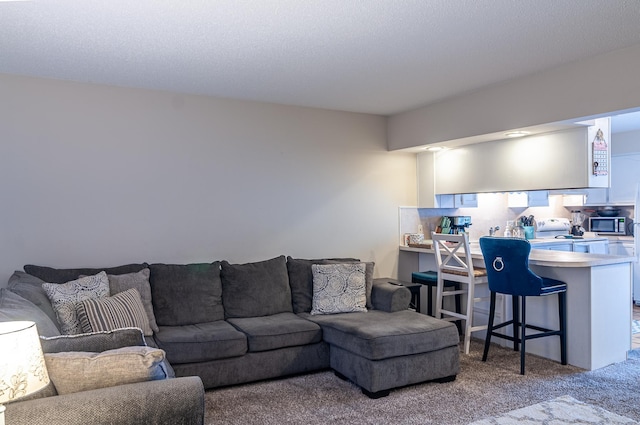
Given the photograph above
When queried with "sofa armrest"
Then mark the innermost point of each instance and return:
(388, 297)
(165, 402)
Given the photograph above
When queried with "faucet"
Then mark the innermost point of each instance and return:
(492, 230)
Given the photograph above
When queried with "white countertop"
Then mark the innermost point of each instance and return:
(539, 257)
(546, 241)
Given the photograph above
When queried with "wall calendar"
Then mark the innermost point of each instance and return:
(600, 155)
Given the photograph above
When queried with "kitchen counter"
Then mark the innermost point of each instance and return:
(599, 301)
(547, 258)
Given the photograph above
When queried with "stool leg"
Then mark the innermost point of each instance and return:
(562, 310)
(430, 300)
(523, 338)
(468, 323)
(515, 312)
(487, 339)
(418, 300)
(458, 299)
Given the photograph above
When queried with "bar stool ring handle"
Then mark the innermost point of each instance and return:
(498, 264)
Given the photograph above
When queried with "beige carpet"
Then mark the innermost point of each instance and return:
(482, 390)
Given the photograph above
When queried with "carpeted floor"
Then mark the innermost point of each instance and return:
(481, 390)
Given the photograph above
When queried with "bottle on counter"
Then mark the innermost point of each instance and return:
(508, 231)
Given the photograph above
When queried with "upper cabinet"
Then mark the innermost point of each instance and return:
(534, 198)
(427, 197)
(559, 160)
(625, 176)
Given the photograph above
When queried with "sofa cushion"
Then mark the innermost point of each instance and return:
(94, 342)
(377, 335)
(30, 288)
(338, 288)
(256, 289)
(63, 297)
(15, 308)
(140, 282)
(49, 274)
(277, 331)
(301, 283)
(123, 310)
(77, 371)
(186, 294)
(201, 342)
(301, 280)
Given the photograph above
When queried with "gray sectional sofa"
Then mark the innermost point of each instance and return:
(229, 324)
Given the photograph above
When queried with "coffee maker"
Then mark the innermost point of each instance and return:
(576, 223)
(460, 223)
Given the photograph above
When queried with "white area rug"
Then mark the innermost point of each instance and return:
(635, 326)
(559, 411)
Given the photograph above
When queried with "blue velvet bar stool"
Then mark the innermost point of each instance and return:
(507, 263)
(430, 279)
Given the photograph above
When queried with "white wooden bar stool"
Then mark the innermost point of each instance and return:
(454, 263)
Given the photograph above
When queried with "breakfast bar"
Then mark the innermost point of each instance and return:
(599, 302)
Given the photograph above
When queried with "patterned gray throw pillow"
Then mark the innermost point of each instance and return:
(123, 310)
(338, 288)
(64, 296)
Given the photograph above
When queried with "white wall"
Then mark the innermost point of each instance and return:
(101, 176)
(598, 85)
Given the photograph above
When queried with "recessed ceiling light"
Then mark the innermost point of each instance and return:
(434, 148)
(517, 133)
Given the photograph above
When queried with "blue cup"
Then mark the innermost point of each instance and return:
(529, 232)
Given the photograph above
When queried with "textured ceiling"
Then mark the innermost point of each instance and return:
(373, 56)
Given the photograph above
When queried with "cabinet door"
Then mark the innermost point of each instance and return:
(625, 174)
(595, 197)
(466, 200)
(538, 198)
(626, 248)
(596, 247)
(554, 246)
(562, 247)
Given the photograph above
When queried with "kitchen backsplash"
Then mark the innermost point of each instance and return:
(492, 210)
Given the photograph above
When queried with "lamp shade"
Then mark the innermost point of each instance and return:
(22, 367)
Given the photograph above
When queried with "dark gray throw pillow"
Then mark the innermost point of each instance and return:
(186, 294)
(30, 288)
(256, 289)
(301, 280)
(15, 308)
(301, 283)
(51, 275)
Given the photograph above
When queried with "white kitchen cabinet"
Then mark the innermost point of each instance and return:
(584, 197)
(426, 188)
(600, 246)
(625, 175)
(532, 198)
(466, 200)
(592, 247)
(621, 248)
(595, 197)
(564, 246)
(557, 160)
(426, 183)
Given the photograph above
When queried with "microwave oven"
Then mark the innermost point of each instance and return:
(608, 225)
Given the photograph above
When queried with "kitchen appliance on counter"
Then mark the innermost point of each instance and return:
(577, 218)
(609, 225)
(459, 223)
(548, 228)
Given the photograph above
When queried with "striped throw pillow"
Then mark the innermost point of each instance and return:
(123, 310)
